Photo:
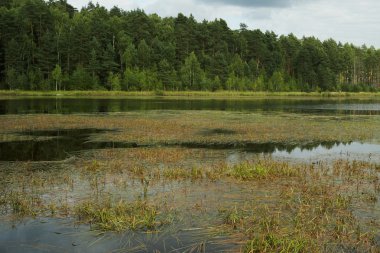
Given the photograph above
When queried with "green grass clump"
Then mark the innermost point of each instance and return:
(274, 243)
(183, 173)
(232, 217)
(119, 217)
(247, 171)
(262, 170)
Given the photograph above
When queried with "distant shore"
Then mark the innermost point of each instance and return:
(194, 94)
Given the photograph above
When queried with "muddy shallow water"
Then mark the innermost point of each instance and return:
(55, 235)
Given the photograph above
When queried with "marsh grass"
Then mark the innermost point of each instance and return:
(183, 173)
(314, 214)
(232, 216)
(274, 243)
(261, 205)
(262, 170)
(183, 128)
(120, 216)
(21, 204)
(310, 209)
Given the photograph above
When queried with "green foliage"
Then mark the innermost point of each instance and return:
(143, 55)
(138, 80)
(81, 79)
(113, 81)
(276, 82)
(216, 84)
(167, 75)
(259, 83)
(191, 73)
(11, 78)
(147, 52)
(57, 75)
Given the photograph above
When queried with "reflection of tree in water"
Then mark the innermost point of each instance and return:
(269, 147)
(61, 144)
(58, 147)
(330, 145)
(273, 147)
(325, 144)
(94, 105)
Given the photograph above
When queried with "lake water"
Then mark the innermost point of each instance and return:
(105, 105)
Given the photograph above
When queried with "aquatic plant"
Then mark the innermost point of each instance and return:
(275, 243)
(120, 216)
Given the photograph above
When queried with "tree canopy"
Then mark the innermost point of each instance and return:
(49, 45)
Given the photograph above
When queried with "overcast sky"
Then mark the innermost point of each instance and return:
(356, 21)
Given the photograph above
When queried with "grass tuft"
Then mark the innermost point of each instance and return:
(119, 217)
(275, 243)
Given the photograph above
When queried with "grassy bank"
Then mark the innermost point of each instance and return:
(221, 94)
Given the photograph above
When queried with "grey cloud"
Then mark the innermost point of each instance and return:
(252, 3)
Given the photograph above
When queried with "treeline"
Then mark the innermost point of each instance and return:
(52, 46)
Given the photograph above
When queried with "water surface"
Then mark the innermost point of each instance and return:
(106, 105)
(58, 235)
(64, 143)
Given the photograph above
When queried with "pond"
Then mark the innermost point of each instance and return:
(189, 175)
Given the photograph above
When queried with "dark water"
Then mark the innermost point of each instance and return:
(62, 144)
(54, 235)
(102, 105)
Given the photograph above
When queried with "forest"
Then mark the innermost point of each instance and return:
(50, 45)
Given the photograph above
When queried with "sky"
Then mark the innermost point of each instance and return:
(353, 21)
